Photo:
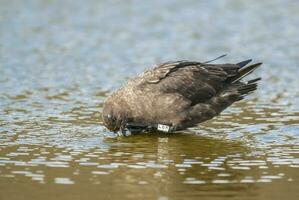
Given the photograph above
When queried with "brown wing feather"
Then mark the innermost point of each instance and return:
(195, 81)
(160, 72)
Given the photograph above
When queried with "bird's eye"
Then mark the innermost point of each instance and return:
(110, 117)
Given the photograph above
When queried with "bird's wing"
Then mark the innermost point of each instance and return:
(160, 72)
(196, 81)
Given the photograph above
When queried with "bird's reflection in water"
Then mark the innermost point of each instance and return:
(162, 149)
(182, 161)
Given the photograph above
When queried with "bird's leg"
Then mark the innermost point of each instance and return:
(136, 127)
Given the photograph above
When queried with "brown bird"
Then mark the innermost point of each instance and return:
(176, 95)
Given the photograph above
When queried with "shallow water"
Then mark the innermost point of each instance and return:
(59, 60)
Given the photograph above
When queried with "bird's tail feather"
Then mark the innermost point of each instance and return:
(244, 71)
(243, 63)
(236, 92)
(247, 89)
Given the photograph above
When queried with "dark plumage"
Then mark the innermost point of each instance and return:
(178, 94)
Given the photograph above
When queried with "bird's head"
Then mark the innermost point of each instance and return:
(112, 117)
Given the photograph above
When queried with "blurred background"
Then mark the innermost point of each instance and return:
(60, 59)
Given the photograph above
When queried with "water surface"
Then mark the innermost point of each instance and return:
(60, 60)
